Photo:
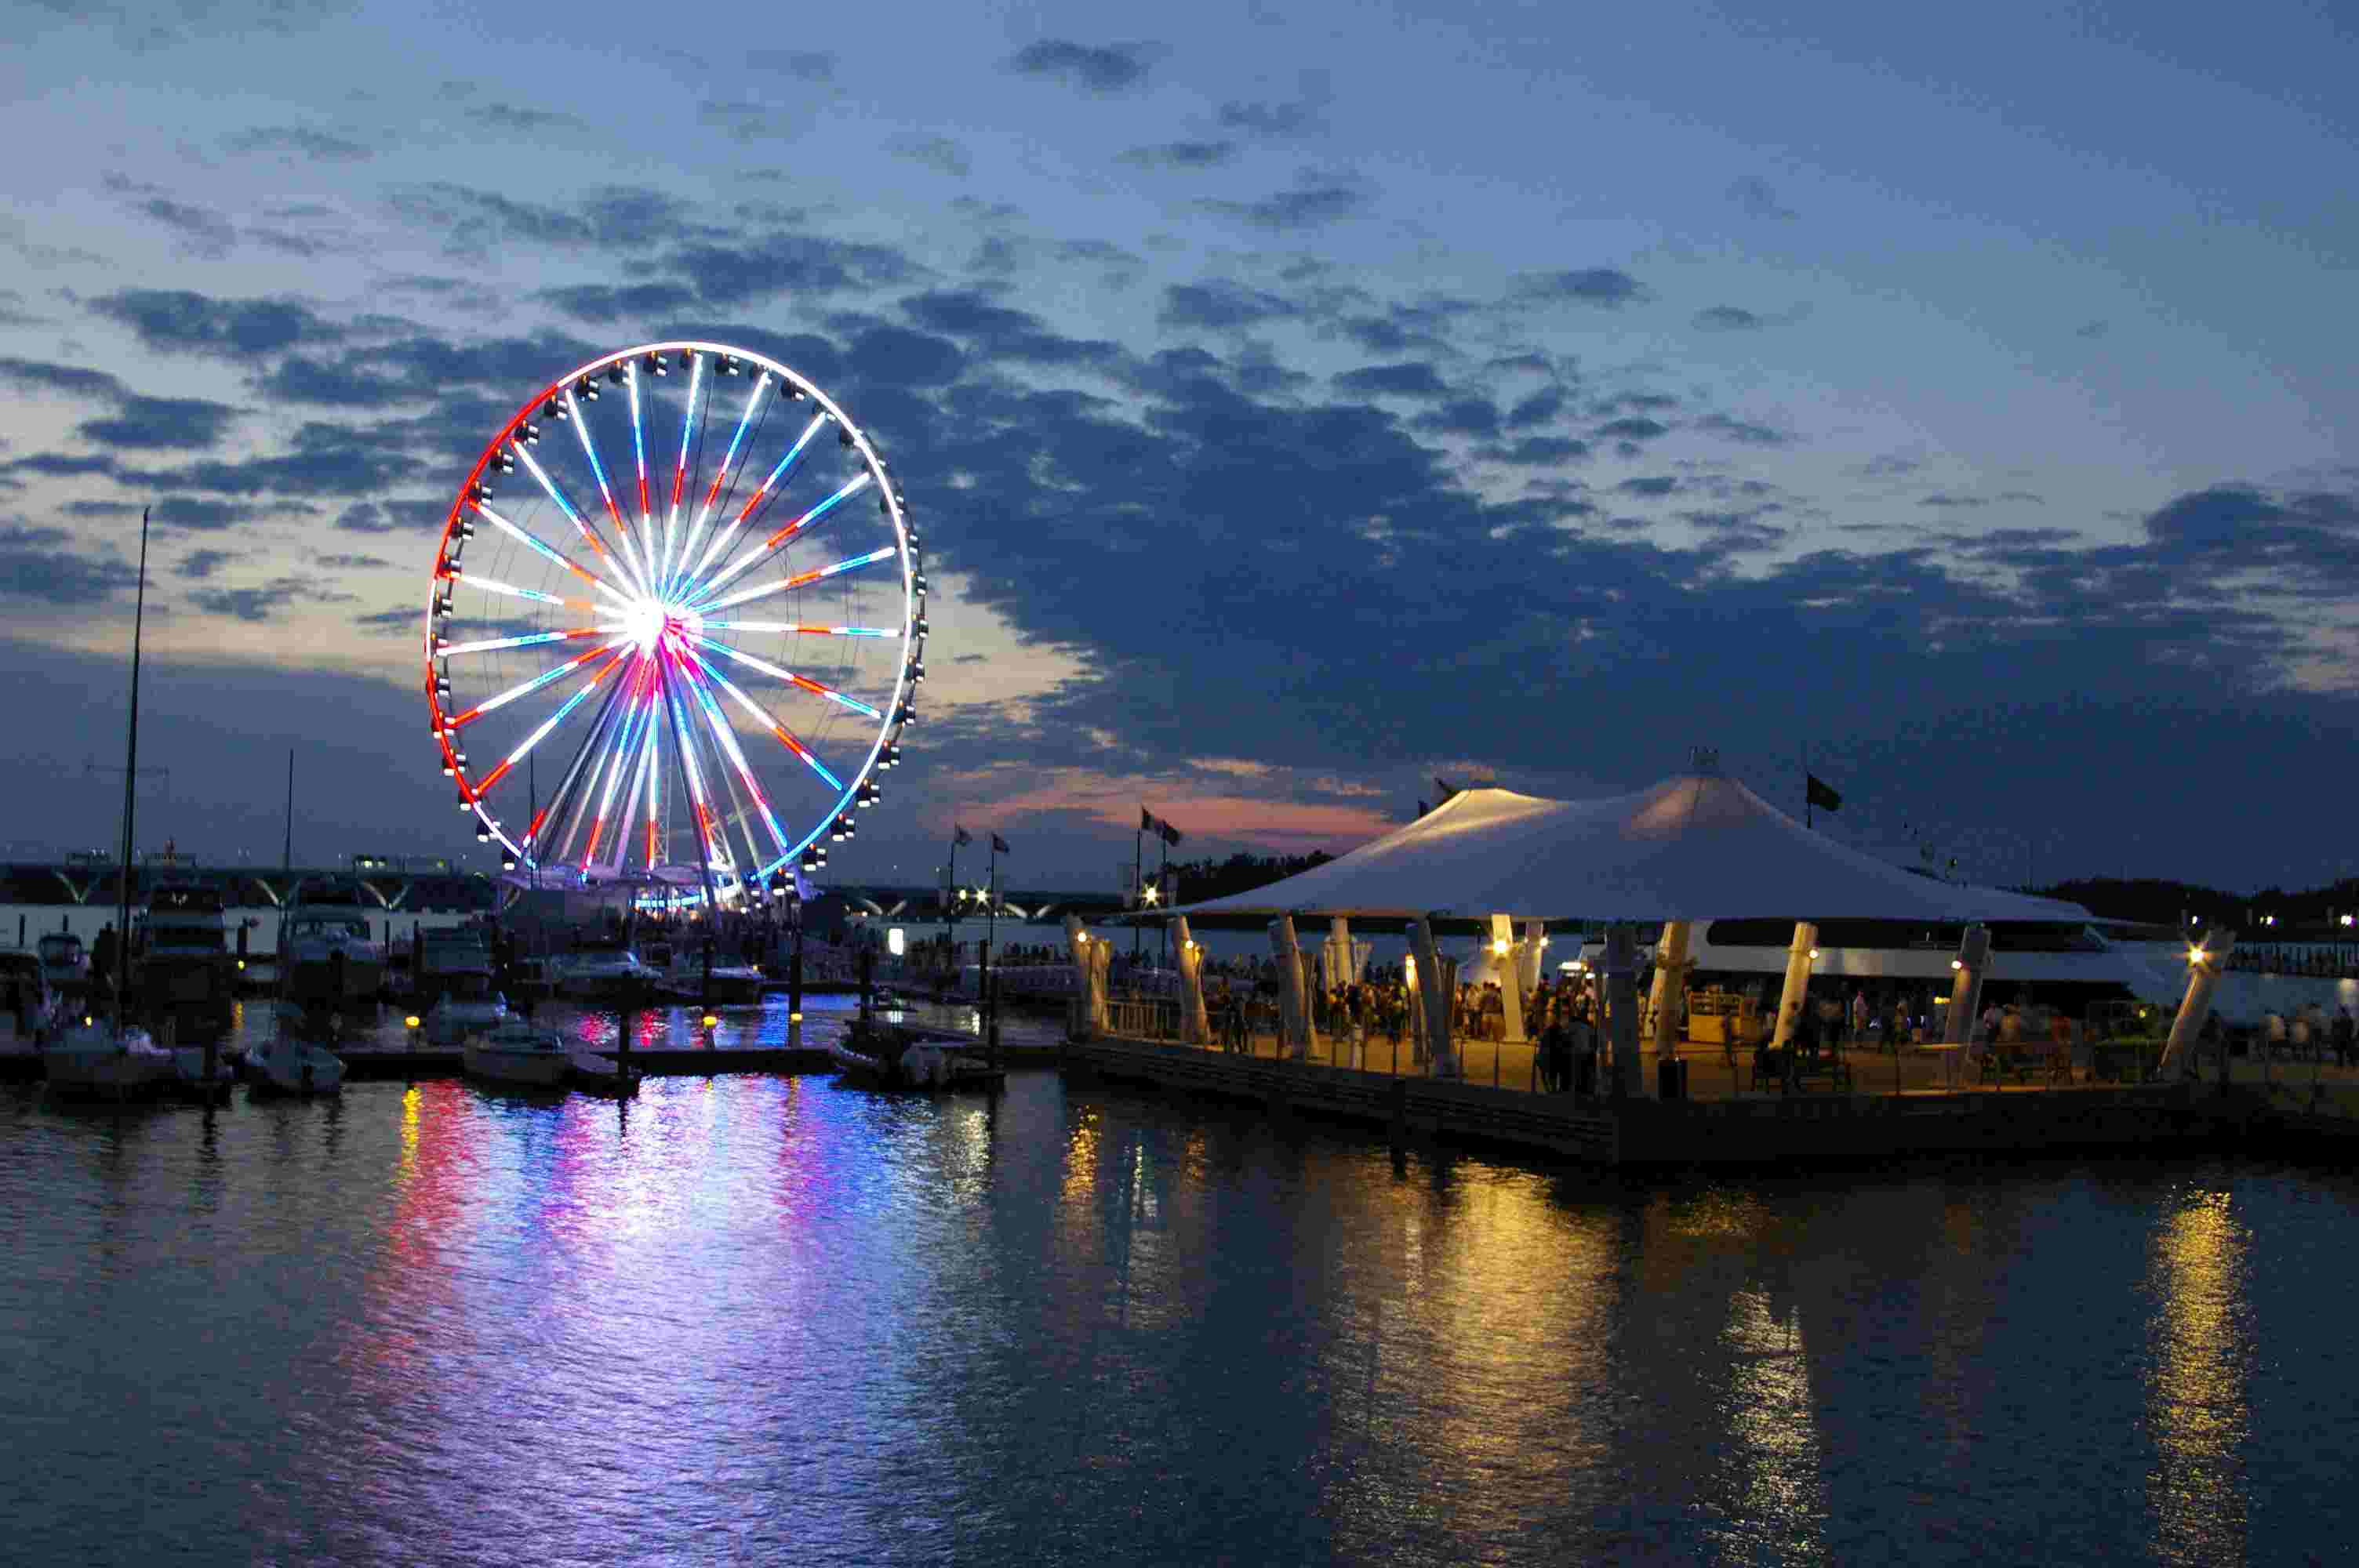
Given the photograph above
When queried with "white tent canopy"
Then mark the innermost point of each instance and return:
(1695, 847)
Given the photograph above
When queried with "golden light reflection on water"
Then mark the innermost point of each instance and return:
(2198, 1384)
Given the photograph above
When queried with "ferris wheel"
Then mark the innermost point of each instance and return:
(676, 625)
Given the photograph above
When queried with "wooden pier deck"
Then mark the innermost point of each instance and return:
(1724, 1126)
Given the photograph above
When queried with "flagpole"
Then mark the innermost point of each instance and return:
(990, 929)
(1162, 879)
(949, 934)
(1137, 861)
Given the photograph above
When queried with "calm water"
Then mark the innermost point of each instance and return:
(780, 1320)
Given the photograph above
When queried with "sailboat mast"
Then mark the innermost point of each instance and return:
(130, 779)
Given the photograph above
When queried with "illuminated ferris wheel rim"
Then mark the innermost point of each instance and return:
(654, 610)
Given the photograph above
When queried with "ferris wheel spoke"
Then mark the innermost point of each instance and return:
(640, 767)
(605, 488)
(769, 546)
(726, 737)
(589, 536)
(769, 486)
(680, 469)
(526, 689)
(815, 687)
(800, 580)
(698, 808)
(639, 450)
(445, 649)
(621, 755)
(540, 546)
(720, 478)
(796, 629)
(551, 722)
(563, 802)
(491, 585)
(762, 717)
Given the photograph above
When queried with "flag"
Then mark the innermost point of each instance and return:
(1165, 831)
(959, 837)
(1146, 820)
(1821, 793)
(999, 845)
(1422, 808)
(1443, 786)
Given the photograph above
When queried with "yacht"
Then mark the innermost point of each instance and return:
(325, 951)
(183, 962)
(466, 1005)
(91, 1057)
(452, 960)
(65, 963)
(607, 972)
(683, 968)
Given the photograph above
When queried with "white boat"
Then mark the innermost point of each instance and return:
(516, 1052)
(65, 963)
(90, 1058)
(683, 975)
(466, 1006)
(603, 973)
(288, 1065)
(326, 952)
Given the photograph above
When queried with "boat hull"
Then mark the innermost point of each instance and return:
(315, 978)
(295, 1070)
(536, 1069)
(107, 1073)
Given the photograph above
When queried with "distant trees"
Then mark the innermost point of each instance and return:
(1241, 872)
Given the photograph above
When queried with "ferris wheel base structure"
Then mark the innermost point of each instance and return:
(699, 618)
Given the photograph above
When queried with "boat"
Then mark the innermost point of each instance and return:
(39, 1003)
(601, 1075)
(97, 1058)
(184, 966)
(682, 969)
(606, 971)
(516, 1052)
(288, 1065)
(325, 951)
(467, 1005)
(448, 959)
(65, 963)
(886, 1056)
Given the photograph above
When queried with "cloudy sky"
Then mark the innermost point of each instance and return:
(1299, 401)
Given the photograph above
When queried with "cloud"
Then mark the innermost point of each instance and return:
(2092, 330)
(1951, 502)
(198, 565)
(264, 601)
(202, 231)
(299, 141)
(35, 565)
(1313, 200)
(195, 514)
(408, 621)
(1634, 428)
(1277, 119)
(392, 516)
(1728, 318)
(147, 423)
(1182, 154)
(604, 302)
(938, 153)
(1743, 432)
(1220, 305)
(1653, 485)
(1752, 193)
(351, 563)
(803, 65)
(76, 381)
(1602, 286)
(178, 320)
(1413, 379)
(1090, 67)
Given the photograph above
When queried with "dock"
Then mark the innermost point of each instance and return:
(1727, 1124)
